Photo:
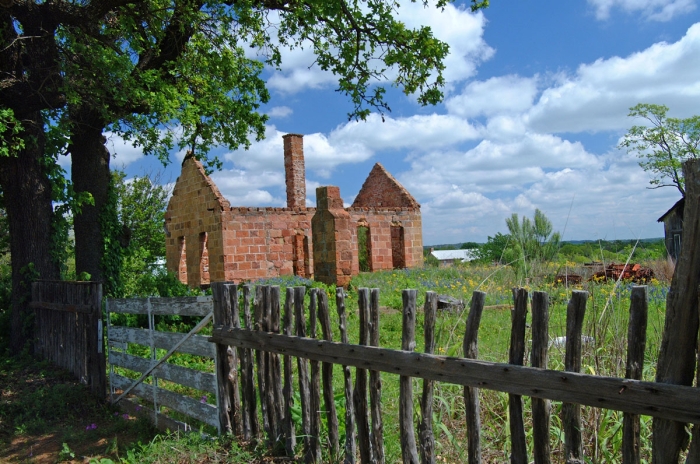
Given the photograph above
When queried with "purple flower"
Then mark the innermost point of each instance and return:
(125, 416)
(204, 399)
(91, 427)
(138, 408)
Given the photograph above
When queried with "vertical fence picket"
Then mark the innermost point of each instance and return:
(471, 394)
(636, 343)
(538, 358)
(575, 310)
(276, 368)
(425, 427)
(375, 382)
(360, 396)
(315, 385)
(327, 377)
(303, 370)
(251, 426)
(289, 429)
(516, 354)
(260, 358)
(347, 375)
(222, 319)
(269, 396)
(408, 343)
(234, 361)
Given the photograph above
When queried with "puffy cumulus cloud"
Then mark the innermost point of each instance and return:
(418, 132)
(653, 10)
(498, 95)
(123, 152)
(244, 188)
(458, 27)
(280, 112)
(599, 95)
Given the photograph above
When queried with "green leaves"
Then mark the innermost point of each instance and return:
(662, 144)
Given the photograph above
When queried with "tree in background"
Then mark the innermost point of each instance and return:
(494, 250)
(663, 145)
(533, 241)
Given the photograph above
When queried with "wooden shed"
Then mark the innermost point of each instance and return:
(673, 228)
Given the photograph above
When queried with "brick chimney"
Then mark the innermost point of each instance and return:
(294, 171)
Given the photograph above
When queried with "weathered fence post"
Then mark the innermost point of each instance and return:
(303, 372)
(636, 342)
(315, 403)
(541, 408)
(573, 445)
(375, 382)
(408, 343)
(289, 431)
(677, 360)
(360, 395)
(259, 308)
(234, 361)
(275, 369)
(518, 453)
(347, 374)
(425, 427)
(327, 374)
(471, 394)
(222, 319)
(251, 427)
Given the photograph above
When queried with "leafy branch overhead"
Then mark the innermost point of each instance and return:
(663, 144)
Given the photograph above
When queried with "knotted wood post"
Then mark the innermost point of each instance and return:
(303, 372)
(408, 343)
(516, 354)
(425, 427)
(541, 408)
(251, 426)
(288, 391)
(360, 395)
(375, 382)
(222, 319)
(677, 360)
(347, 375)
(636, 343)
(315, 390)
(471, 394)
(275, 369)
(573, 445)
(327, 379)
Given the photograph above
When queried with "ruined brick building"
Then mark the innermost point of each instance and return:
(210, 241)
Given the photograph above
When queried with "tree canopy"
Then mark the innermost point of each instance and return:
(663, 144)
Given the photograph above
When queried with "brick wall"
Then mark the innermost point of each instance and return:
(334, 239)
(294, 170)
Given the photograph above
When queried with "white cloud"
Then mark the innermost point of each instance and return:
(280, 112)
(653, 10)
(123, 152)
(600, 94)
(503, 94)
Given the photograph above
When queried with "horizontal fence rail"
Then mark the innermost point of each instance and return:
(259, 343)
(119, 338)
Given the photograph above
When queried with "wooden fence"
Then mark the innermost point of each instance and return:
(68, 329)
(255, 374)
(156, 368)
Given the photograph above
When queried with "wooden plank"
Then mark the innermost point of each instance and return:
(518, 452)
(222, 319)
(288, 391)
(303, 371)
(541, 408)
(677, 360)
(360, 395)
(234, 320)
(181, 306)
(409, 451)
(471, 394)
(668, 401)
(251, 425)
(375, 382)
(636, 343)
(315, 384)
(192, 378)
(425, 427)
(71, 308)
(196, 344)
(327, 380)
(275, 369)
(350, 447)
(571, 412)
(259, 311)
(191, 407)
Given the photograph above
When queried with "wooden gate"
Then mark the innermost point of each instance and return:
(68, 329)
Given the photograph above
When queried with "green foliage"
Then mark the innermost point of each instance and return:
(663, 144)
(11, 142)
(533, 242)
(362, 248)
(494, 250)
(112, 255)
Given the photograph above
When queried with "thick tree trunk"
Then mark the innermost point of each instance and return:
(89, 173)
(676, 363)
(27, 197)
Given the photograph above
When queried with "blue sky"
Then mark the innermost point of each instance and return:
(536, 102)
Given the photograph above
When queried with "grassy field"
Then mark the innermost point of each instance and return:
(605, 322)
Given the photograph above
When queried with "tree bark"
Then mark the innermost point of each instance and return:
(27, 197)
(89, 173)
(676, 363)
